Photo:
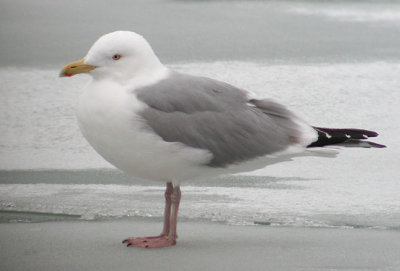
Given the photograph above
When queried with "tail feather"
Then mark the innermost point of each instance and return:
(345, 137)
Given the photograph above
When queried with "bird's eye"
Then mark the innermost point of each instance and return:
(116, 56)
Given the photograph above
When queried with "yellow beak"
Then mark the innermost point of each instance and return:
(75, 68)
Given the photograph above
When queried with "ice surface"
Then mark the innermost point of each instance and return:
(366, 11)
(336, 63)
(201, 246)
(236, 200)
(34, 33)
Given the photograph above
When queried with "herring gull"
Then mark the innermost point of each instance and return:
(158, 124)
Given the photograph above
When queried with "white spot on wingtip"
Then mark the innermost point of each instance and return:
(327, 135)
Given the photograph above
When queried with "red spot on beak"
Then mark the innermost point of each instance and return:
(69, 74)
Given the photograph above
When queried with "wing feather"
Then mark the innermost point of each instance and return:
(215, 116)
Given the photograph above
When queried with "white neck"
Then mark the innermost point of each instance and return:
(147, 77)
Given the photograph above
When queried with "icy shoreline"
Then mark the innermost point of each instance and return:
(201, 246)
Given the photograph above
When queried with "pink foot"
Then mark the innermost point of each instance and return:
(150, 241)
(168, 235)
(141, 239)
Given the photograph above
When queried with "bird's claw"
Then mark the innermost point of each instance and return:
(150, 242)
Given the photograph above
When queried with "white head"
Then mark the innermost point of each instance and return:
(119, 55)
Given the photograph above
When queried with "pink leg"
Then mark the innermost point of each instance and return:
(168, 236)
(167, 214)
(176, 199)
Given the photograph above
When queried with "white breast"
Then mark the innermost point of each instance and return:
(108, 118)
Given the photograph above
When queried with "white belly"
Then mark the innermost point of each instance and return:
(107, 116)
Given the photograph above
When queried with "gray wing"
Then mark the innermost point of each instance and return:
(211, 115)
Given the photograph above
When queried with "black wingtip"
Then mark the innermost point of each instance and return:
(348, 137)
(369, 133)
(376, 145)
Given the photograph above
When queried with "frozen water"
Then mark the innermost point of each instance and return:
(351, 12)
(336, 63)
